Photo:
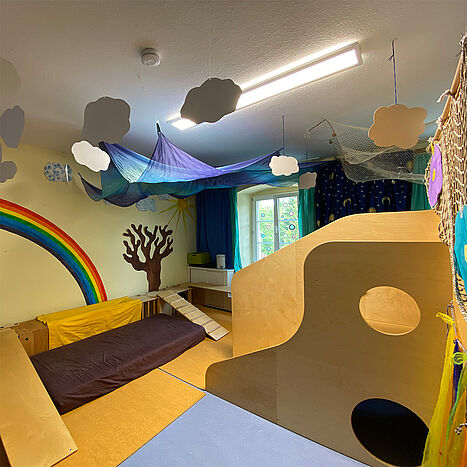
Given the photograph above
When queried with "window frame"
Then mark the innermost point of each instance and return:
(254, 233)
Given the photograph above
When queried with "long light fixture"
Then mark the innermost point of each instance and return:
(291, 76)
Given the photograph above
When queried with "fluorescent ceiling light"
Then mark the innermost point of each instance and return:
(292, 76)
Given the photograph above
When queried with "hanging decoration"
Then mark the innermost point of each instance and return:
(397, 125)
(30, 225)
(307, 180)
(106, 119)
(93, 158)
(153, 245)
(211, 101)
(12, 126)
(56, 172)
(435, 182)
(132, 176)
(7, 168)
(283, 165)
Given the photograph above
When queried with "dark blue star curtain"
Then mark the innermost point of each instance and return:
(336, 196)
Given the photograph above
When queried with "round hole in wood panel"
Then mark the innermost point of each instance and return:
(390, 431)
(389, 310)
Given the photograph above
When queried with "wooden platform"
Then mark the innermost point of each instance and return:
(185, 308)
(32, 432)
(191, 366)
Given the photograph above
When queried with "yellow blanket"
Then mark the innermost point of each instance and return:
(72, 325)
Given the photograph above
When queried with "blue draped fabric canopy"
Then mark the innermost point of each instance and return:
(132, 176)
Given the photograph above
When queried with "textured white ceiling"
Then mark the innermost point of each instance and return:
(69, 53)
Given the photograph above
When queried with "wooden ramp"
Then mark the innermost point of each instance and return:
(213, 329)
(31, 430)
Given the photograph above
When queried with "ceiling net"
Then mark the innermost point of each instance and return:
(363, 161)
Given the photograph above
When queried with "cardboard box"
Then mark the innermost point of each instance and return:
(33, 335)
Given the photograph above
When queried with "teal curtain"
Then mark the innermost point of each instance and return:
(419, 201)
(234, 226)
(306, 211)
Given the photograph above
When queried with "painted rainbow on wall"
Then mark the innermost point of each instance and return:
(21, 221)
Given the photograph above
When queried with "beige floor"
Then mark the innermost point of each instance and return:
(191, 366)
(109, 429)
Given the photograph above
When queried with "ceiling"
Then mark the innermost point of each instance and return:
(72, 52)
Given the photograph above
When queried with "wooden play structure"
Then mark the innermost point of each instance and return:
(27, 412)
(344, 315)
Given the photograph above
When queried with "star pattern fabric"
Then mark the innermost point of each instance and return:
(337, 196)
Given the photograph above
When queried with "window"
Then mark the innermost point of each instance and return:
(276, 223)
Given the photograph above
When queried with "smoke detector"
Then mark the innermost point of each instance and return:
(150, 57)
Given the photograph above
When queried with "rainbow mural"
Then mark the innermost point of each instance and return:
(21, 221)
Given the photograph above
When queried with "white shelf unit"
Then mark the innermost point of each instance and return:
(210, 275)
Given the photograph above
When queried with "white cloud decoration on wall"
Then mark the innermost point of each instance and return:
(146, 204)
(283, 165)
(307, 180)
(55, 172)
(94, 158)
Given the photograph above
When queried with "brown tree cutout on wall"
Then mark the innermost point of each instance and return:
(154, 246)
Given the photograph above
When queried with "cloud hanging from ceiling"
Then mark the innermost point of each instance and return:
(106, 119)
(94, 158)
(307, 180)
(7, 169)
(397, 125)
(211, 101)
(12, 126)
(283, 165)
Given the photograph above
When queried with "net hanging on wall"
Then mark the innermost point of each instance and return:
(453, 144)
(363, 161)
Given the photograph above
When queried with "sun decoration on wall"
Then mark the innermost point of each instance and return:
(182, 209)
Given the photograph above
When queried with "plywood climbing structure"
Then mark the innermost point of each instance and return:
(314, 348)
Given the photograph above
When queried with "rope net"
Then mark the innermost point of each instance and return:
(363, 161)
(453, 145)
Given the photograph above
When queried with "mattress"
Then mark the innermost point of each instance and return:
(84, 370)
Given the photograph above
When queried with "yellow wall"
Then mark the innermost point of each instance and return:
(32, 281)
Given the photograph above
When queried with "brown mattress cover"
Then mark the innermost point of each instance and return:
(84, 370)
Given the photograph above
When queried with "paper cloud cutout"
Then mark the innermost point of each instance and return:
(146, 204)
(55, 172)
(397, 125)
(106, 119)
(307, 180)
(9, 78)
(94, 158)
(7, 169)
(12, 126)
(283, 165)
(211, 101)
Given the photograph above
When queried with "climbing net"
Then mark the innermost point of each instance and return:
(453, 145)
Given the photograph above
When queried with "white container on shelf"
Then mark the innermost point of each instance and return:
(220, 261)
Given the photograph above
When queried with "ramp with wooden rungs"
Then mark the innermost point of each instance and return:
(185, 308)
